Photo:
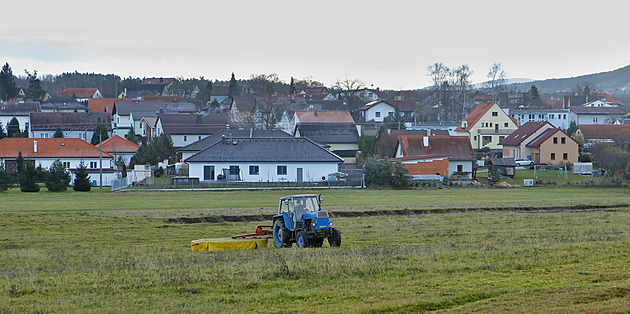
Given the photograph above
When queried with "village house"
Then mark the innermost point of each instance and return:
(62, 104)
(608, 133)
(191, 149)
(559, 118)
(70, 151)
(72, 124)
(102, 104)
(121, 149)
(515, 145)
(264, 160)
(81, 95)
(128, 113)
(486, 126)
(185, 129)
(379, 110)
(19, 111)
(422, 155)
(555, 147)
(597, 115)
(335, 129)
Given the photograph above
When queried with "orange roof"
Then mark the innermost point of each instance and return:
(117, 144)
(48, 148)
(476, 114)
(609, 98)
(324, 116)
(100, 104)
(78, 92)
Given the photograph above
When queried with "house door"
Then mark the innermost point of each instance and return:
(208, 173)
(299, 174)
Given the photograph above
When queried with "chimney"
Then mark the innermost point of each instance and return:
(425, 141)
(35, 147)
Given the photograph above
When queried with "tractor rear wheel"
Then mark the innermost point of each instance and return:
(300, 239)
(334, 239)
(280, 234)
(317, 242)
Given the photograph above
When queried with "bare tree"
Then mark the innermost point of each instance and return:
(266, 84)
(270, 111)
(347, 90)
(451, 88)
(496, 80)
(585, 89)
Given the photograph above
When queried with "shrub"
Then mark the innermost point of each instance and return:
(28, 179)
(57, 178)
(81, 179)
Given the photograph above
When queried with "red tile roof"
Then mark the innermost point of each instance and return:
(99, 104)
(78, 92)
(474, 116)
(526, 130)
(48, 148)
(324, 116)
(117, 144)
(455, 147)
(608, 97)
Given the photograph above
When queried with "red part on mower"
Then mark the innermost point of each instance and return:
(259, 232)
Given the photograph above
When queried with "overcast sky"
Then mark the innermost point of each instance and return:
(387, 44)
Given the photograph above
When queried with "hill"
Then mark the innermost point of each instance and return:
(614, 82)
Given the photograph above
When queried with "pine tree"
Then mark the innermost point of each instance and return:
(5, 178)
(28, 179)
(124, 170)
(58, 132)
(2, 133)
(19, 162)
(82, 179)
(7, 83)
(292, 86)
(14, 128)
(57, 178)
(34, 91)
(131, 135)
(233, 89)
(99, 129)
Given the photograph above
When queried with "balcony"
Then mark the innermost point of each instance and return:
(495, 131)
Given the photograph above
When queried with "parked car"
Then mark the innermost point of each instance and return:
(524, 162)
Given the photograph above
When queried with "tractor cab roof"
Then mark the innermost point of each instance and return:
(299, 196)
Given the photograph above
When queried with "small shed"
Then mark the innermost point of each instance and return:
(506, 166)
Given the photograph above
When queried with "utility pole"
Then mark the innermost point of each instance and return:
(100, 160)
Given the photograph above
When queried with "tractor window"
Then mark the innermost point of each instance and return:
(286, 206)
(311, 204)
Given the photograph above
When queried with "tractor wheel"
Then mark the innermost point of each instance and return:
(280, 234)
(300, 239)
(335, 238)
(317, 242)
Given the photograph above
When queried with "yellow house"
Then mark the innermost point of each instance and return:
(486, 126)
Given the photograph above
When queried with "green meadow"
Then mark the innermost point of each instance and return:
(113, 252)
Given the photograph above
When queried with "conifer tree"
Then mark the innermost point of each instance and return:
(58, 132)
(28, 179)
(82, 179)
(58, 177)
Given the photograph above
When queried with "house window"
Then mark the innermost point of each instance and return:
(594, 119)
(185, 138)
(93, 164)
(540, 116)
(531, 117)
(234, 170)
(555, 140)
(551, 116)
(563, 140)
(495, 114)
(475, 138)
(460, 168)
(199, 138)
(505, 124)
(486, 140)
(377, 114)
(553, 156)
(490, 124)
(254, 170)
(66, 164)
(282, 170)
(565, 117)
(565, 156)
(501, 138)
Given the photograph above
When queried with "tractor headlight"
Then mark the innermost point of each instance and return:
(313, 224)
(330, 224)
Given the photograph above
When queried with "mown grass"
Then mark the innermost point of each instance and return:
(82, 259)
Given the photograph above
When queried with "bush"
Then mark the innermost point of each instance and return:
(385, 173)
(81, 179)
(28, 179)
(5, 178)
(57, 178)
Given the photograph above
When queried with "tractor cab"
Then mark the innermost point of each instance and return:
(299, 208)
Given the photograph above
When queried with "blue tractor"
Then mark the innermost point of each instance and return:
(300, 220)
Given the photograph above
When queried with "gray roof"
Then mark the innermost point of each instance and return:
(329, 133)
(207, 141)
(124, 107)
(192, 123)
(68, 121)
(12, 109)
(286, 149)
(598, 110)
(62, 103)
(503, 162)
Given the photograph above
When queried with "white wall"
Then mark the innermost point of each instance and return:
(382, 108)
(452, 166)
(594, 118)
(84, 135)
(183, 140)
(23, 120)
(268, 171)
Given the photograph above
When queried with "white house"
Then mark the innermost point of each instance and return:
(264, 160)
(70, 151)
(377, 111)
(596, 115)
(559, 118)
(72, 124)
(126, 113)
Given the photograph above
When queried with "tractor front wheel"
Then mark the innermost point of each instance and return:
(334, 239)
(300, 239)
(280, 234)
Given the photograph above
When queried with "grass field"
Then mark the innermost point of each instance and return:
(108, 252)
